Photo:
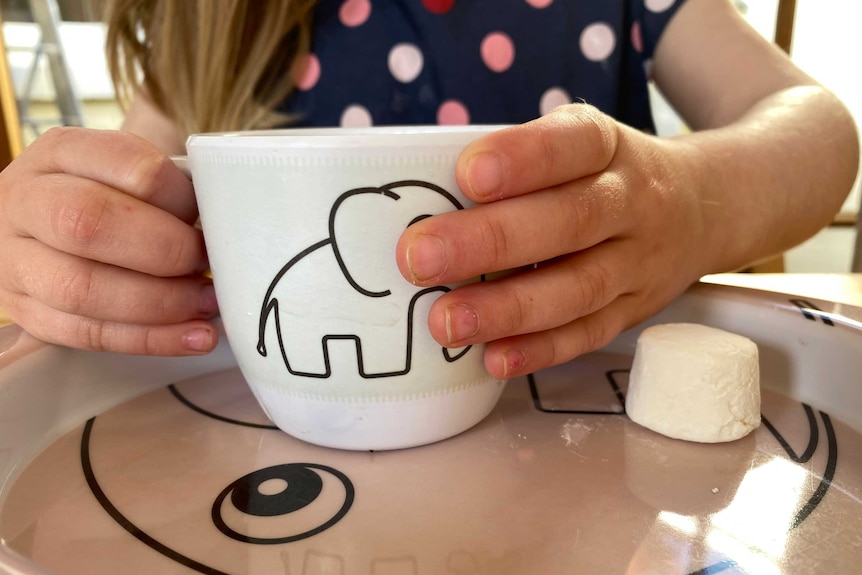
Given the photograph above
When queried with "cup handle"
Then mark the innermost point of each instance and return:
(182, 162)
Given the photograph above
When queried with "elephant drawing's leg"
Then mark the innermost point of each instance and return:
(292, 319)
(388, 350)
(307, 353)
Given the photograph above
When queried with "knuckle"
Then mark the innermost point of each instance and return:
(74, 287)
(179, 257)
(593, 288)
(548, 150)
(495, 240)
(148, 174)
(79, 221)
(517, 311)
(575, 210)
(600, 131)
(57, 135)
(151, 343)
(92, 335)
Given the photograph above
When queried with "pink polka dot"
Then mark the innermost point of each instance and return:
(306, 72)
(637, 37)
(598, 41)
(540, 3)
(405, 62)
(453, 113)
(552, 98)
(354, 13)
(498, 51)
(438, 6)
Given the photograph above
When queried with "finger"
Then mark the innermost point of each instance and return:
(194, 337)
(504, 235)
(569, 143)
(83, 287)
(90, 220)
(523, 354)
(545, 298)
(119, 160)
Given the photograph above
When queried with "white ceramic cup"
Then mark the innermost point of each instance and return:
(301, 227)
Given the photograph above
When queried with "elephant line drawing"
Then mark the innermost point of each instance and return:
(318, 257)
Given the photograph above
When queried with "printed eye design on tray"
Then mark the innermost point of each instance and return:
(341, 287)
(283, 503)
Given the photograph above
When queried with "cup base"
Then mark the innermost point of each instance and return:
(380, 425)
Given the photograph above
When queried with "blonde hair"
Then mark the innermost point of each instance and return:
(209, 65)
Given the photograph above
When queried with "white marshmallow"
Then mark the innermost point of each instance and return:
(695, 382)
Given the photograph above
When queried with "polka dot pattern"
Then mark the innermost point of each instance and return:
(306, 72)
(356, 116)
(637, 37)
(598, 41)
(354, 13)
(405, 62)
(658, 5)
(453, 113)
(552, 98)
(439, 6)
(498, 51)
(457, 62)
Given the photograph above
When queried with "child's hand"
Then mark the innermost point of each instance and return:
(604, 210)
(99, 250)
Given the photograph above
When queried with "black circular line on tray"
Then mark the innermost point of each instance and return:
(123, 521)
(349, 495)
(715, 568)
(828, 473)
(188, 403)
(822, 487)
(813, 436)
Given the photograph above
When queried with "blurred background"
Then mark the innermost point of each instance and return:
(56, 75)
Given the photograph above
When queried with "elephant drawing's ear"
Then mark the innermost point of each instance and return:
(370, 221)
(362, 223)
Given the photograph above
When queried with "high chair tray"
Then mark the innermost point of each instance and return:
(119, 464)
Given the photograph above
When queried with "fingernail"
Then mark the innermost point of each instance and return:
(484, 174)
(426, 257)
(513, 360)
(462, 322)
(208, 303)
(198, 339)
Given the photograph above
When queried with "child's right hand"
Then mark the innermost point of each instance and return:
(98, 249)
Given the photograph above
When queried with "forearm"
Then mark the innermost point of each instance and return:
(772, 178)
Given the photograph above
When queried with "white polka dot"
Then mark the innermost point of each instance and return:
(356, 116)
(552, 98)
(598, 41)
(658, 5)
(405, 62)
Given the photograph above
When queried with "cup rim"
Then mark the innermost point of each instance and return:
(344, 137)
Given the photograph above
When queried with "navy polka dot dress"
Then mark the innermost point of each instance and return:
(391, 62)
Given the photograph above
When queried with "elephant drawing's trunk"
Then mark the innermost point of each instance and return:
(268, 307)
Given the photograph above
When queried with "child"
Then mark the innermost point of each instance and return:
(99, 250)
